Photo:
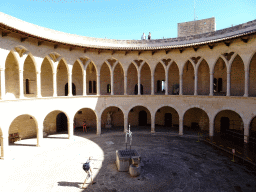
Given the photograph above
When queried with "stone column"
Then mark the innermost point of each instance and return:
(4, 147)
(98, 125)
(211, 84)
(39, 136)
(70, 128)
(139, 93)
(246, 84)
(54, 84)
(195, 90)
(152, 123)
(180, 126)
(166, 83)
(211, 128)
(98, 84)
(125, 85)
(112, 82)
(181, 81)
(2, 71)
(21, 84)
(228, 84)
(84, 83)
(246, 132)
(38, 84)
(70, 84)
(152, 84)
(125, 123)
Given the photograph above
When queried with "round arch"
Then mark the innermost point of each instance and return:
(196, 119)
(85, 116)
(24, 126)
(139, 117)
(166, 119)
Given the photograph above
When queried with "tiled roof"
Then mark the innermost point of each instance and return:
(16, 25)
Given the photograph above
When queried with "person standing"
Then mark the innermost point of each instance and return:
(143, 37)
(84, 126)
(149, 36)
(88, 169)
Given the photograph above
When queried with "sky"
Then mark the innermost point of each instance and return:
(127, 19)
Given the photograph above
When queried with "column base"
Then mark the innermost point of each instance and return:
(153, 132)
(245, 95)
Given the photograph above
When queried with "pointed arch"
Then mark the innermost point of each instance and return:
(12, 76)
(237, 77)
(203, 78)
(220, 77)
(77, 77)
(188, 78)
(91, 78)
(159, 78)
(105, 79)
(29, 76)
(62, 77)
(145, 79)
(252, 76)
(118, 79)
(173, 79)
(132, 78)
(47, 69)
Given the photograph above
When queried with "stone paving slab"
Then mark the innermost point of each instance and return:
(171, 163)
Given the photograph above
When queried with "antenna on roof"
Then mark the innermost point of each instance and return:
(194, 10)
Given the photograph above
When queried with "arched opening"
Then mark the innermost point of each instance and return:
(119, 80)
(61, 122)
(112, 119)
(29, 78)
(203, 79)
(229, 127)
(132, 79)
(87, 116)
(12, 76)
(77, 79)
(145, 80)
(252, 77)
(55, 122)
(159, 79)
(252, 137)
(62, 78)
(220, 78)
(104, 79)
(73, 89)
(237, 77)
(196, 121)
(46, 79)
(173, 79)
(23, 127)
(91, 79)
(167, 120)
(188, 79)
(139, 118)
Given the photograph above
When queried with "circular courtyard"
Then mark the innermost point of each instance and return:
(169, 163)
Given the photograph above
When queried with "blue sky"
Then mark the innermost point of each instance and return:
(127, 19)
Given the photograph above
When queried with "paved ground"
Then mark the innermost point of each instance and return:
(171, 163)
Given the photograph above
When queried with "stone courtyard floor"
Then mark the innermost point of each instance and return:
(171, 163)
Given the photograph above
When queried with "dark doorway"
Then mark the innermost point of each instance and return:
(61, 122)
(168, 119)
(224, 124)
(142, 118)
(73, 89)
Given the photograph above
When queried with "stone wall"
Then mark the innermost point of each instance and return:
(196, 27)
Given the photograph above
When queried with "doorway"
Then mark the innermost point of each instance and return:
(224, 124)
(168, 120)
(61, 122)
(142, 118)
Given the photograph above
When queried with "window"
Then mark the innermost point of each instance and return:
(108, 88)
(217, 85)
(94, 87)
(163, 85)
(27, 86)
(90, 86)
(158, 86)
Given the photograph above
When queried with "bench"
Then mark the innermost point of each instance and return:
(14, 137)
